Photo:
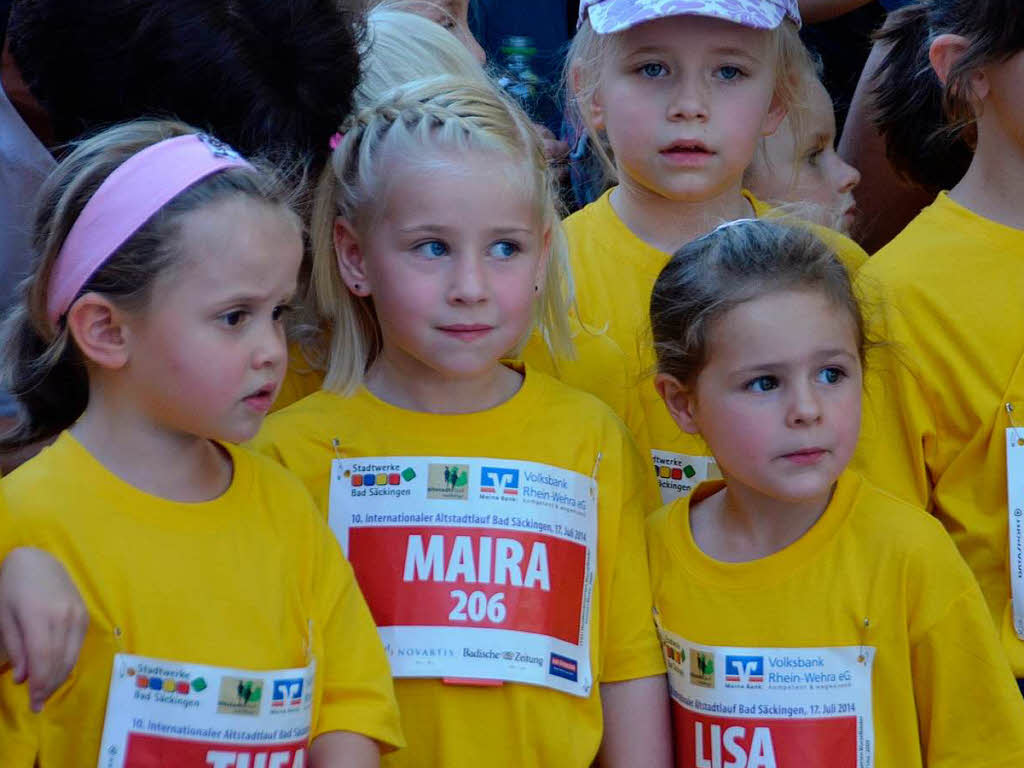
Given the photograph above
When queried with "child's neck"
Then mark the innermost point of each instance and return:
(668, 224)
(994, 183)
(160, 462)
(737, 525)
(430, 392)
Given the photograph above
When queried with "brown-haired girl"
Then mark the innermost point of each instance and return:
(808, 618)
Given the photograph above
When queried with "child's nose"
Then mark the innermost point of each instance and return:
(689, 100)
(468, 282)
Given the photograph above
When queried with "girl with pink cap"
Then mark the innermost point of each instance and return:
(676, 96)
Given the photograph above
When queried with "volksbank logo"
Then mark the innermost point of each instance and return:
(287, 694)
(499, 481)
(744, 670)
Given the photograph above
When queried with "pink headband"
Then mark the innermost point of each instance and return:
(127, 199)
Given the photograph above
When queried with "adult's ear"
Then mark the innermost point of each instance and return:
(99, 329)
(680, 401)
(944, 53)
(349, 255)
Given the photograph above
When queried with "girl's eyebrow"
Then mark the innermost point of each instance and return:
(821, 354)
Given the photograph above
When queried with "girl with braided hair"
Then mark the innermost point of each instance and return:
(514, 604)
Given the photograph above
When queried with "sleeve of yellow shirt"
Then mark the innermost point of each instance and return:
(897, 427)
(631, 643)
(19, 737)
(970, 711)
(358, 692)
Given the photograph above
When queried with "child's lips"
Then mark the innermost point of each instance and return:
(261, 399)
(466, 331)
(806, 456)
(687, 153)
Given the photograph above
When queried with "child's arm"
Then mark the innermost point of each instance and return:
(636, 722)
(42, 621)
(342, 749)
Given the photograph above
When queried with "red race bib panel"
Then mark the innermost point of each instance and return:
(770, 707)
(473, 568)
(194, 716)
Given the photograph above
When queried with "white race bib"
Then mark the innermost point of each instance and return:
(679, 473)
(195, 716)
(770, 707)
(473, 568)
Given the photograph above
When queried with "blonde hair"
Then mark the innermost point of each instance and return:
(42, 366)
(402, 46)
(589, 52)
(445, 113)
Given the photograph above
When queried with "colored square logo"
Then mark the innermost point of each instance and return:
(744, 670)
(286, 694)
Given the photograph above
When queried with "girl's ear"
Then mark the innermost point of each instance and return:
(349, 255)
(545, 258)
(777, 111)
(99, 329)
(595, 104)
(679, 400)
(944, 53)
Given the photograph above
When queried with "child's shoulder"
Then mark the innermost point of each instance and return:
(892, 528)
(565, 403)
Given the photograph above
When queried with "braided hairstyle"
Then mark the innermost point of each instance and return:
(446, 113)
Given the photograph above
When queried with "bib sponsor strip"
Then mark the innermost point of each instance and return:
(1015, 496)
(473, 568)
(770, 707)
(194, 716)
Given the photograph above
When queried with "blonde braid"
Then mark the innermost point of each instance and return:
(441, 111)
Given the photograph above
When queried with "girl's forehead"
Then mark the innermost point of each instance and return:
(683, 32)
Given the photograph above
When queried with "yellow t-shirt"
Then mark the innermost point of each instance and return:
(301, 379)
(872, 573)
(545, 422)
(949, 294)
(237, 582)
(614, 273)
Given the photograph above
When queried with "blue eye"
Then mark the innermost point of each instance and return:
(763, 384)
(504, 250)
(233, 318)
(432, 249)
(654, 69)
(831, 375)
(728, 73)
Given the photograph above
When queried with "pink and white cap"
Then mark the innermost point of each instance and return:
(608, 16)
(127, 199)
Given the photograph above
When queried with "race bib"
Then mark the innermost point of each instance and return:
(770, 707)
(475, 569)
(194, 716)
(678, 473)
(1015, 495)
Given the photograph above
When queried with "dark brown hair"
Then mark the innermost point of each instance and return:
(734, 264)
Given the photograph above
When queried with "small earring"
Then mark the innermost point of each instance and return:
(536, 288)
(357, 286)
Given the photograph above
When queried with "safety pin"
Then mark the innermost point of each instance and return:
(1013, 425)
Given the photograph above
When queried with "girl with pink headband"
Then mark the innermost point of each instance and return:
(150, 340)
(675, 96)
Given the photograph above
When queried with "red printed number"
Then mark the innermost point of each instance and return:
(523, 581)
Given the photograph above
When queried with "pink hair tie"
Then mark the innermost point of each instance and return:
(336, 139)
(125, 201)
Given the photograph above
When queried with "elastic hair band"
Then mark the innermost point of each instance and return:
(124, 202)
